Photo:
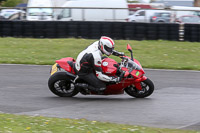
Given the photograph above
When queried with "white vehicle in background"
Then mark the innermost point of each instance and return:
(184, 10)
(7, 13)
(176, 12)
(77, 14)
(144, 15)
(144, 1)
(34, 14)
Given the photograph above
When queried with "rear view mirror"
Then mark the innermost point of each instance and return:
(129, 48)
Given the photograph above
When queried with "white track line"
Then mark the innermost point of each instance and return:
(185, 126)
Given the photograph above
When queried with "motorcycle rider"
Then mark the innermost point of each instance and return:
(89, 60)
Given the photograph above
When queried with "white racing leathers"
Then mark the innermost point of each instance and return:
(89, 60)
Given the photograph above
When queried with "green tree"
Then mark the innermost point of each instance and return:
(11, 3)
(1, 2)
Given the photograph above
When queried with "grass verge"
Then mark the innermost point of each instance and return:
(10, 123)
(151, 54)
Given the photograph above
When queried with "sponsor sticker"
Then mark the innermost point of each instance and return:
(105, 63)
(137, 73)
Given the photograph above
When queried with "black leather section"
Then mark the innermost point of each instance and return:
(72, 64)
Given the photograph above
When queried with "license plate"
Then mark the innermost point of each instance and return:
(54, 69)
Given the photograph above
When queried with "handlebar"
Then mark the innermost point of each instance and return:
(129, 64)
(124, 57)
(124, 61)
(121, 75)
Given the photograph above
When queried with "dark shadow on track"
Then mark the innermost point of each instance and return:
(98, 98)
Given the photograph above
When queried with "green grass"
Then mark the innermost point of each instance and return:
(31, 124)
(151, 54)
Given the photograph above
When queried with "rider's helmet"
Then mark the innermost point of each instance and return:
(106, 45)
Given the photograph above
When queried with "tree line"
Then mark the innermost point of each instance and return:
(11, 3)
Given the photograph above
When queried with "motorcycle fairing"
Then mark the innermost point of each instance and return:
(137, 82)
(108, 66)
(137, 73)
(63, 64)
(119, 88)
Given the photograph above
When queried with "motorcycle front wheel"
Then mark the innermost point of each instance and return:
(147, 89)
(61, 86)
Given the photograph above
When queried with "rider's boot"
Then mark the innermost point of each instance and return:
(81, 85)
(99, 91)
(83, 88)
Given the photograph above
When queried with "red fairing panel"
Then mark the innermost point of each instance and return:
(118, 88)
(137, 82)
(63, 64)
(108, 66)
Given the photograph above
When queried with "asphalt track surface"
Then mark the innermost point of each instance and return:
(174, 104)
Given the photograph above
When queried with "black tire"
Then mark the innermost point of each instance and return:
(148, 88)
(60, 84)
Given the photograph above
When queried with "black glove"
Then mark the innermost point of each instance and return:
(121, 54)
(116, 53)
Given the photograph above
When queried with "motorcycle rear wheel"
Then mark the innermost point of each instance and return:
(147, 89)
(61, 86)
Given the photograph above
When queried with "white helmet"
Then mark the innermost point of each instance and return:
(106, 45)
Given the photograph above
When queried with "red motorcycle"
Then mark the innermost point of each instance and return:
(63, 78)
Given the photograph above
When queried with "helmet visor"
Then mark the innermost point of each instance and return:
(110, 50)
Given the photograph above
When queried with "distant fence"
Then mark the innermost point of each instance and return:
(92, 30)
(192, 32)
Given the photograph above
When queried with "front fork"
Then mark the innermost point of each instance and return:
(137, 82)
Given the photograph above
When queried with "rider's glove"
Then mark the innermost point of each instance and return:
(121, 54)
(116, 53)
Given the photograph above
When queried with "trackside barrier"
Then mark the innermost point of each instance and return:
(91, 30)
(192, 32)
